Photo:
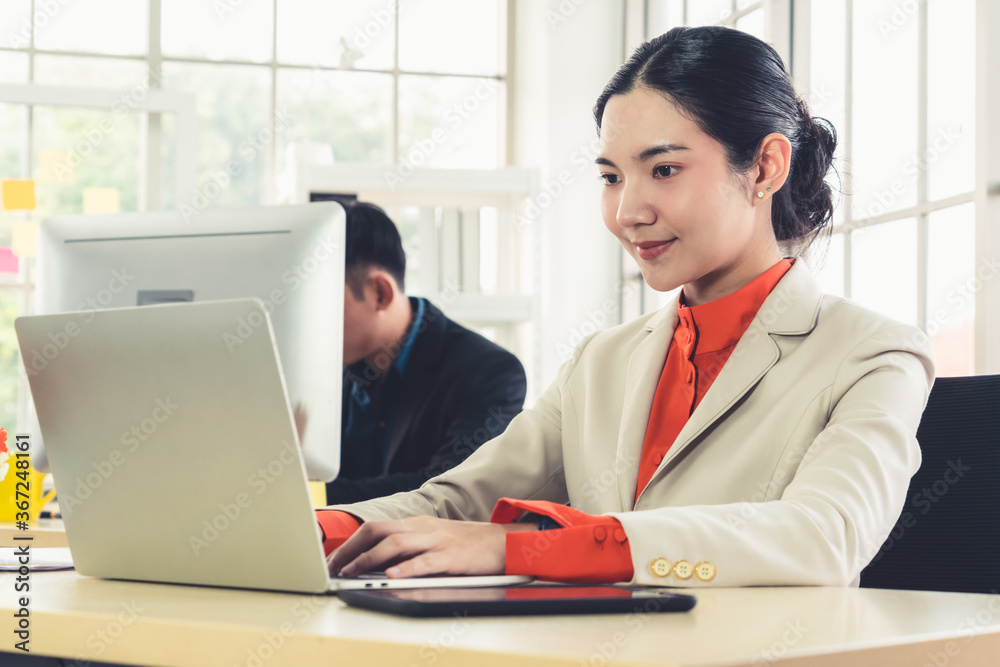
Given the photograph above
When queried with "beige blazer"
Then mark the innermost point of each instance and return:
(792, 469)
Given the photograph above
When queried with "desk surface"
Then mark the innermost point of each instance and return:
(153, 624)
(44, 533)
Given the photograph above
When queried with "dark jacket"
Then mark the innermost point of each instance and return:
(457, 391)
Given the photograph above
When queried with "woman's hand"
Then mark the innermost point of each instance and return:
(424, 545)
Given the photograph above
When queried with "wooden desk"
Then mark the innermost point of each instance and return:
(46, 533)
(161, 625)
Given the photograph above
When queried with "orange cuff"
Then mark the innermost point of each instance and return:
(588, 549)
(509, 510)
(337, 527)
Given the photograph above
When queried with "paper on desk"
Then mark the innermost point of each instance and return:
(42, 559)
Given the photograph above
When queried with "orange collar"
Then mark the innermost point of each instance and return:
(720, 324)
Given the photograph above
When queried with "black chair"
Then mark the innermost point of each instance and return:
(948, 535)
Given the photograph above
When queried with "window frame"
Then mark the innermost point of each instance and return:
(924, 206)
(158, 101)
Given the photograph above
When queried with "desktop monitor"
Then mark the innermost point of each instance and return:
(291, 257)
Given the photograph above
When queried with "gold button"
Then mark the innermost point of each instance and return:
(683, 569)
(660, 567)
(704, 571)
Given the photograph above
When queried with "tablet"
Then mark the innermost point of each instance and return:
(520, 600)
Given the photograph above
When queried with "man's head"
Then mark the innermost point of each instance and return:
(376, 310)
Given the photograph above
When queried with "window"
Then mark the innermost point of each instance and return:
(904, 235)
(370, 81)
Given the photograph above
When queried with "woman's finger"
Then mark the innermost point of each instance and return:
(363, 539)
(388, 551)
(426, 564)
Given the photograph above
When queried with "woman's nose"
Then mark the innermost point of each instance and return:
(634, 208)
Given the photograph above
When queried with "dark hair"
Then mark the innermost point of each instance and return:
(371, 239)
(736, 89)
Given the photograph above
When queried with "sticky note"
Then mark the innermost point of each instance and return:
(8, 261)
(100, 200)
(55, 167)
(317, 490)
(18, 194)
(24, 236)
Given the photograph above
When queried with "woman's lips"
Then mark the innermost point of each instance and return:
(651, 250)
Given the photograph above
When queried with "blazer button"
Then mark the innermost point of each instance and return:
(660, 567)
(683, 569)
(600, 533)
(704, 571)
(658, 459)
(620, 536)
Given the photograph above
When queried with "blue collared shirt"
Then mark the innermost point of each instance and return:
(367, 414)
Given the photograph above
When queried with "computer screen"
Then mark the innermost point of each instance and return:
(290, 257)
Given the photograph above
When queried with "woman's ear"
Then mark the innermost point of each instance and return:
(771, 170)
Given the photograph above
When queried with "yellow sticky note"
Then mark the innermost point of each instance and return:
(55, 167)
(317, 490)
(18, 194)
(24, 236)
(100, 200)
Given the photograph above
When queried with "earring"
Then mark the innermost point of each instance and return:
(760, 195)
(769, 189)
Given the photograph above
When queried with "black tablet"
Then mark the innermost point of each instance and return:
(519, 600)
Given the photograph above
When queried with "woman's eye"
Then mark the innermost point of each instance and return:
(610, 179)
(665, 171)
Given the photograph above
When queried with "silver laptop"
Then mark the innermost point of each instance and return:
(175, 454)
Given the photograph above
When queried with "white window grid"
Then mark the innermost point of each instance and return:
(924, 207)
(155, 59)
(150, 140)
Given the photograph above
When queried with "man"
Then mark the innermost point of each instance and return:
(420, 392)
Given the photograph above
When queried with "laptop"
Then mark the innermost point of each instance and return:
(175, 453)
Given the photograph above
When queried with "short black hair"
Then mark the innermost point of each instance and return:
(371, 240)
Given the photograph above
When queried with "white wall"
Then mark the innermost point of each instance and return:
(988, 184)
(566, 51)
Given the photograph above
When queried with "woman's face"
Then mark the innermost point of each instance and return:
(671, 199)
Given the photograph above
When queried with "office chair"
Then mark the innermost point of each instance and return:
(948, 535)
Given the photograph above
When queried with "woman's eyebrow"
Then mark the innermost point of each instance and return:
(660, 149)
(652, 151)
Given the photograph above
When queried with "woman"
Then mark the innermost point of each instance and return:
(754, 432)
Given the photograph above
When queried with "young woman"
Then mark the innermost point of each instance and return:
(753, 432)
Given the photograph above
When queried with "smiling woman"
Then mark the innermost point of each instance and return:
(753, 432)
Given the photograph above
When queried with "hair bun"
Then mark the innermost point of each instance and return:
(814, 148)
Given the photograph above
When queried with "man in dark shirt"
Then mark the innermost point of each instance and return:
(420, 392)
